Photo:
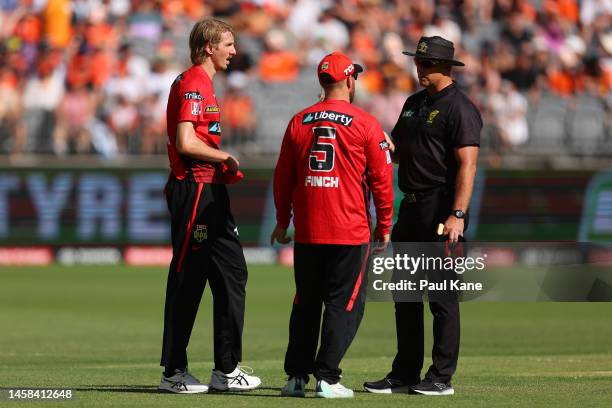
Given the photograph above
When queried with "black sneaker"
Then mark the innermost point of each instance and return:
(429, 387)
(387, 386)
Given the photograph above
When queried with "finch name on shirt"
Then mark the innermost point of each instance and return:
(322, 181)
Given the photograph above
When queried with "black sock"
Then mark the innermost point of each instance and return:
(170, 371)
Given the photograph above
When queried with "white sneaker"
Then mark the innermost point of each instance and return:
(337, 390)
(237, 380)
(182, 383)
(295, 387)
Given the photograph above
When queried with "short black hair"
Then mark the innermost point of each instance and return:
(326, 79)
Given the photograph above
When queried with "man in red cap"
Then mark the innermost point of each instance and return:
(332, 156)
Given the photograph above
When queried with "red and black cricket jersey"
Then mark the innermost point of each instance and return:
(332, 157)
(192, 99)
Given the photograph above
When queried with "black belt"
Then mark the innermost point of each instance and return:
(414, 196)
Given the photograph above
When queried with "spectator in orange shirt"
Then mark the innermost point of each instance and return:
(57, 28)
(12, 132)
(277, 64)
(238, 111)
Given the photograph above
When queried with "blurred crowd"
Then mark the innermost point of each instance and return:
(93, 76)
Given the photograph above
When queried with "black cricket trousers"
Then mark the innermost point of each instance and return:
(334, 276)
(418, 222)
(205, 247)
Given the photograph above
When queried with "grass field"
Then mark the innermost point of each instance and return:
(97, 330)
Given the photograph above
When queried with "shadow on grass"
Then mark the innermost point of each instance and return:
(152, 389)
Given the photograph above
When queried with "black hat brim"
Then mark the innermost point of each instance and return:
(450, 61)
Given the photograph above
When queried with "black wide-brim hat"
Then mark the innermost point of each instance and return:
(435, 48)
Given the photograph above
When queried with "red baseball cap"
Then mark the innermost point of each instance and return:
(335, 67)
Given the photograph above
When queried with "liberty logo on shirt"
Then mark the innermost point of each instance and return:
(214, 128)
(331, 116)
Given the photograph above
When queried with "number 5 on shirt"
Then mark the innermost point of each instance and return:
(328, 149)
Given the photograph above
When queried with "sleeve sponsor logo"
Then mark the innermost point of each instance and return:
(211, 109)
(196, 109)
(384, 146)
(328, 116)
(193, 96)
(214, 128)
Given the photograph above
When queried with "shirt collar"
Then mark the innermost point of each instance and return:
(449, 89)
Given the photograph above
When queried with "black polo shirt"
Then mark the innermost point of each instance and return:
(427, 133)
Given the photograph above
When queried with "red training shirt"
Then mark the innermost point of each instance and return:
(333, 155)
(192, 99)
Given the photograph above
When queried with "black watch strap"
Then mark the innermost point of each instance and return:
(459, 214)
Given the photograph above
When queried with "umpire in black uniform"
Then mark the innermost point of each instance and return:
(436, 138)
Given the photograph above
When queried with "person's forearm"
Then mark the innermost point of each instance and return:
(188, 144)
(464, 186)
(199, 150)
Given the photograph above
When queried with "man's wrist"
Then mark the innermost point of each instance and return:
(459, 214)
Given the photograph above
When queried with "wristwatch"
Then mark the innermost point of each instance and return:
(459, 214)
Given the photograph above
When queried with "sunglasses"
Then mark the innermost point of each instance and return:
(427, 63)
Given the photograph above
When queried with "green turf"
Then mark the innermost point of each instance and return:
(98, 330)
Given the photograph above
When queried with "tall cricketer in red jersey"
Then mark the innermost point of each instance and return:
(332, 157)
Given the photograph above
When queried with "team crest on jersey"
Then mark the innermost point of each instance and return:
(432, 116)
(196, 109)
(328, 116)
(193, 96)
(214, 128)
(200, 233)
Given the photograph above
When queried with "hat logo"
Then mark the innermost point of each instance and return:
(422, 47)
(349, 69)
(324, 66)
